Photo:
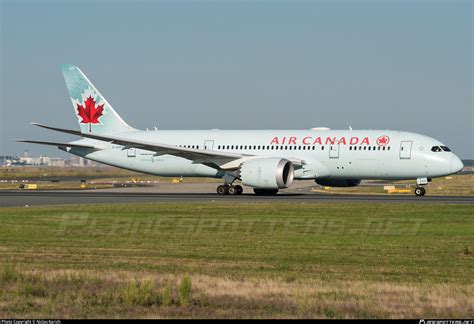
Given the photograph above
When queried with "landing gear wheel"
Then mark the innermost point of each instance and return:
(222, 190)
(265, 192)
(420, 191)
(240, 189)
(232, 190)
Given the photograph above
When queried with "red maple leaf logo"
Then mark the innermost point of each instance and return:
(90, 114)
(383, 140)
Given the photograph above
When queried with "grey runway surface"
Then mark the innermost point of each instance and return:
(36, 198)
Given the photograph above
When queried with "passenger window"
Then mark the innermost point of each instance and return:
(379, 148)
(388, 148)
(322, 148)
(370, 148)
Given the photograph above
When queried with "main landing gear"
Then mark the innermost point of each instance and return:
(229, 190)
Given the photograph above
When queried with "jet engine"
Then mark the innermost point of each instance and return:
(267, 173)
(338, 182)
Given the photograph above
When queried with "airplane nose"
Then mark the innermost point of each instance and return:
(456, 164)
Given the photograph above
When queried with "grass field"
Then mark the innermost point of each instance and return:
(243, 260)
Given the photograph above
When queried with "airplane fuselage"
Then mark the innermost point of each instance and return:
(332, 154)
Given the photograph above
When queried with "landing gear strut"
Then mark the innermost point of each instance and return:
(227, 188)
(420, 191)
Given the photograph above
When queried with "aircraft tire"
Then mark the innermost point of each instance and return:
(222, 190)
(232, 190)
(240, 189)
(420, 191)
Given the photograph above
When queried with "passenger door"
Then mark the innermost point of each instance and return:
(405, 149)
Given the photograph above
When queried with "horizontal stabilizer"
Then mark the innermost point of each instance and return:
(57, 144)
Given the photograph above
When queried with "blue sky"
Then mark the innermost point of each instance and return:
(405, 65)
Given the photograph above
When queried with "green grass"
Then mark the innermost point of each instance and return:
(244, 259)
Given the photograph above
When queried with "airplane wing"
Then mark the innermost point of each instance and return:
(219, 160)
(215, 159)
(57, 144)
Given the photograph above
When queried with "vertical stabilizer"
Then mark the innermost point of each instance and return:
(94, 113)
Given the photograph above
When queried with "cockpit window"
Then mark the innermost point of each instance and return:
(440, 149)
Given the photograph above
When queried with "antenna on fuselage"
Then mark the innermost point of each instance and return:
(350, 128)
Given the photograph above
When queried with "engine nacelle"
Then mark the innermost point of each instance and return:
(267, 173)
(338, 182)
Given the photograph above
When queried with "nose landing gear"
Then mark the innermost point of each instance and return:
(420, 191)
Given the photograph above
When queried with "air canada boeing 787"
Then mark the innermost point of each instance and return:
(266, 160)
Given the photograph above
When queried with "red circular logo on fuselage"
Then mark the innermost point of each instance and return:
(383, 140)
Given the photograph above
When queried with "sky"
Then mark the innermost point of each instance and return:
(404, 65)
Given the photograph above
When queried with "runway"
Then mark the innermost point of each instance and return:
(36, 198)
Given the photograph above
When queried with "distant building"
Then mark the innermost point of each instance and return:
(9, 160)
(57, 162)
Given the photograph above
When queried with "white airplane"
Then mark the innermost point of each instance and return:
(267, 160)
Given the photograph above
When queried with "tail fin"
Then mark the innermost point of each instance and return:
(94, 113)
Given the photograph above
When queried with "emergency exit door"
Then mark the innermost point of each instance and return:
(131, 152)
(209, 145)
(405, 149)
